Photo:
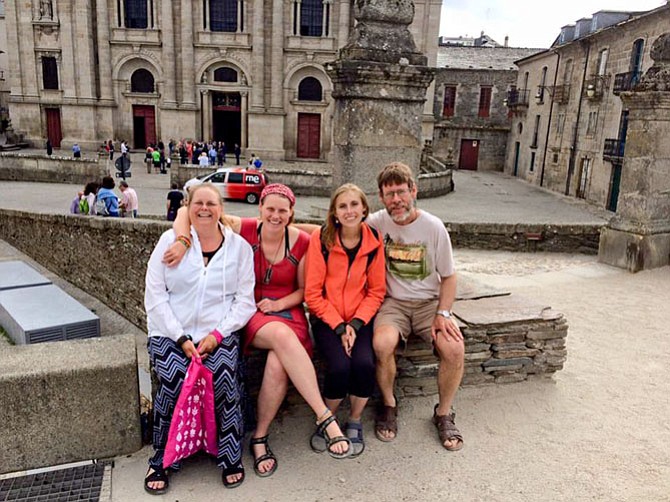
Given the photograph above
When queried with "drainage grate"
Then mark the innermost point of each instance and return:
(84, 483)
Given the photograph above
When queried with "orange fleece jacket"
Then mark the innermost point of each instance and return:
(337, 293)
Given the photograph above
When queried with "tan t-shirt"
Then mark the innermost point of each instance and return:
(418, 255)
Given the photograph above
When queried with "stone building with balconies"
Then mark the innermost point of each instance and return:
(571, 136)
(472, 121)
(242, 71)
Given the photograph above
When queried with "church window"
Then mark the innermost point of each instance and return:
(310, 89)
(49, 73)
(223, 15)
(142, 81)
(225, 75)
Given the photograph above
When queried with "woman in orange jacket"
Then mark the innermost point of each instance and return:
(344, 287)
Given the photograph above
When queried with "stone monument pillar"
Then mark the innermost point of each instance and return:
(379, 86)
(638, 236)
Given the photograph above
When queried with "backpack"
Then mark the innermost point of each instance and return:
(83, 205)
(101, 207)
(325, 251)
(258, 163)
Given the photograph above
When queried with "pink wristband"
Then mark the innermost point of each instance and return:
(219, 337)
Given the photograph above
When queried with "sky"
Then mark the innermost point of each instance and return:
(534, 23)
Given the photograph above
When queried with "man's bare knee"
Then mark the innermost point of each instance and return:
(384, 341)
(450, 351)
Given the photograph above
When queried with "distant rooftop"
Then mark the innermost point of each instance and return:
(481, 58)
(600, 20)
(482, 41)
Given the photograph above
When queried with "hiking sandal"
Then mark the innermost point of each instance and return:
(387, 420)
(446, 429)
(268, 455)
(159, 475)
(354, 431)
(330, 441)
(229, 472)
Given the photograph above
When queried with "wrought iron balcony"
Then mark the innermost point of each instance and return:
(614, 149)
(596, 87)
(517, 98)
(625, 81)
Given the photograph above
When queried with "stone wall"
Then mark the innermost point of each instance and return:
(106, 257)
(50, 169)
(525, 237)
(314, 183)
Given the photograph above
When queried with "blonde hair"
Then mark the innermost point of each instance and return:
(395, 173)
(328, 232)
(194, 189)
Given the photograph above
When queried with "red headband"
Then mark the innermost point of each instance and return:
(278, 189)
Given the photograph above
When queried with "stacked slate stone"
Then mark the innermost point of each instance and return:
(507, 339)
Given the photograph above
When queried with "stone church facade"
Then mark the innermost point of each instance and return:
(242, 71)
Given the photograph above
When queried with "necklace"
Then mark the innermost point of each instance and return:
(268, 273)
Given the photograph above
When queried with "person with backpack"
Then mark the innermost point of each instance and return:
(345, 284)
(107, 203)
(87, 202)
(75, 205)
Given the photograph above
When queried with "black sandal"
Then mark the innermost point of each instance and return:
(267, 456)
(159, 475)
(229, 472)
(321, 431)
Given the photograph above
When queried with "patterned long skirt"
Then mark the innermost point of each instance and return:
(170, 364)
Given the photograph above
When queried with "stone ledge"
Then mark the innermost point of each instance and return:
(68, 401)
(50, 169)
(507, 339)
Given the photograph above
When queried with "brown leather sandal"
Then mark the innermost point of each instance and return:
(446, 429)
(386, 420)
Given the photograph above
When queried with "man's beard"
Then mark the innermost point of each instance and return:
(405, 215)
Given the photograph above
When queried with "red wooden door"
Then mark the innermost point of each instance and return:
(309, 135)
(148, 114)
(54, 132)
(469, 154)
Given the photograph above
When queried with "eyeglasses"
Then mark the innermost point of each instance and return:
(402, 193)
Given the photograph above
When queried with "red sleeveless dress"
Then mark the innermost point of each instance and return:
(281, 281)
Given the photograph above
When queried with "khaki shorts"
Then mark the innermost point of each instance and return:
(408, 316)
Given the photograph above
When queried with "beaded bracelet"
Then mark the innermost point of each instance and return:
(184, 240)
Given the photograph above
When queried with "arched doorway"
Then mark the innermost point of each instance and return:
(309, 124)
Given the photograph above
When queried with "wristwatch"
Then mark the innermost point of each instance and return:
(444, 313)
(183, 339)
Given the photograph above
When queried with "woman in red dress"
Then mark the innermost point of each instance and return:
(279, 326)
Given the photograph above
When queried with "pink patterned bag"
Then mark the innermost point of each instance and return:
(193, 425)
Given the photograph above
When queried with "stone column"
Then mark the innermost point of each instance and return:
(104, 52)
(244, 105)
(206, 115)
(379, 87)
(187, 58)
(638, 237)
(168, 49)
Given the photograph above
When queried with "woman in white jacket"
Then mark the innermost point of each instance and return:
(197, 309)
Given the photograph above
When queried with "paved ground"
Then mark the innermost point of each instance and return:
(598, 430)
(481, 197)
